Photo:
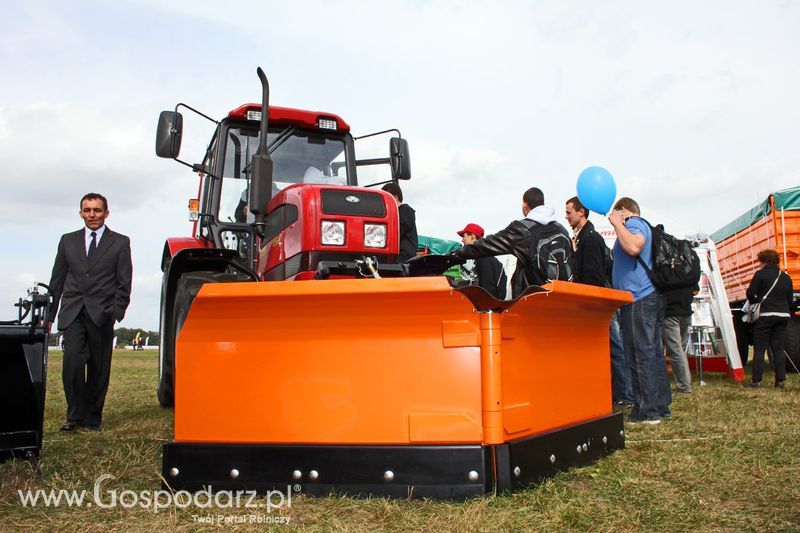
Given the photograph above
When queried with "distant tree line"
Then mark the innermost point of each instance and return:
(124, 336)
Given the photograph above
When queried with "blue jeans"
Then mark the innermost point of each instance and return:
(620, 370)
(642, 323)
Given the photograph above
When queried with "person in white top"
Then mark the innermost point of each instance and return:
(313, 175)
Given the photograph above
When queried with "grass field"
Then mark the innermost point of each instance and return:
(729, 460)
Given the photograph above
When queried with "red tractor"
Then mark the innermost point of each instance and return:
(279, 200)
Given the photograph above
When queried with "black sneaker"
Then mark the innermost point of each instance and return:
(754, 384)
(780, 384)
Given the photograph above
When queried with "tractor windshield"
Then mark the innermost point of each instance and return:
(298, 156)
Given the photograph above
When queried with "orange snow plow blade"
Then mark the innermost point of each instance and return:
(389, 361)
(390, 387)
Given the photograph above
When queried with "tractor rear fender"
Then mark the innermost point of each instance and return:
(192, 260)
(173, 245)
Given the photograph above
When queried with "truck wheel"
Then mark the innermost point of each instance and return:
(188, 286)
(793, 345)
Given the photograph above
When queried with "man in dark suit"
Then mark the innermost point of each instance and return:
(92, 280)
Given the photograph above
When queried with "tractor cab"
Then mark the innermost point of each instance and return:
(312, 155)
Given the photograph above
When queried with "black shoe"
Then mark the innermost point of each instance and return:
(92, 427)
(754, 384)
(780, 384)
(70, 425)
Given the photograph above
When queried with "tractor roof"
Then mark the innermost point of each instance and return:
(292, 117)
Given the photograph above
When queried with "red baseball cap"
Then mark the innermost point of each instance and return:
(472, 228)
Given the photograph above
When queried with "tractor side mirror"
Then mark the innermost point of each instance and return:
(169, 134)
(400, 159)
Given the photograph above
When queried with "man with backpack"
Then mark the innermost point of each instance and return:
(593, 265)
(642, 320)
(541, 245)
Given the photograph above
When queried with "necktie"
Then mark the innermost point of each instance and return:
(92, 245)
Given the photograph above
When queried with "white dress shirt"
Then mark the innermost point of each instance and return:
(87, 236)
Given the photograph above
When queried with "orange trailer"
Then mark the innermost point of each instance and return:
(773, 223)
(395, 387)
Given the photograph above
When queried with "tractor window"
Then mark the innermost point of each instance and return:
(300, 157)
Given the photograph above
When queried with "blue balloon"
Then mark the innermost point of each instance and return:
(596, 189)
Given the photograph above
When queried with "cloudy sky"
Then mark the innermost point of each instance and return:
(693, 106)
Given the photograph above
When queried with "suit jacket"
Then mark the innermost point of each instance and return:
(102, 285)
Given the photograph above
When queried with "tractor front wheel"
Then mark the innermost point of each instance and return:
(188, 286)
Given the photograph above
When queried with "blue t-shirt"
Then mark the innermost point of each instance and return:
(628, 274)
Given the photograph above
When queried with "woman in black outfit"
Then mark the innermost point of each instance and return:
(770, 328)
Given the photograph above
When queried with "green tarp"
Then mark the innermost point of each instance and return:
(436, 246)
(440, 247)
(787, 199)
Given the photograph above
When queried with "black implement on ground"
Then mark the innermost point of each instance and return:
(23, 375)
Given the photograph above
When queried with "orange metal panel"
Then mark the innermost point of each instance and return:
(556, 358)
(737, 256)
(357, 361)
(390, 361)
(789, 223)
(491, 378)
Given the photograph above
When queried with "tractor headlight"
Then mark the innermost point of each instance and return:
(332, 233)
(375, 235)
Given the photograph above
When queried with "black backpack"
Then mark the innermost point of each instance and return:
(675, 263)
(550, 256)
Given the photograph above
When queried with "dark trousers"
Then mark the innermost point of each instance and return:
(87, 368)
(769, 331)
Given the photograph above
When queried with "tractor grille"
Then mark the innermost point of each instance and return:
(356, 203)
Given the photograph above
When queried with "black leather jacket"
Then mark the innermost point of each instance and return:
(514, 240)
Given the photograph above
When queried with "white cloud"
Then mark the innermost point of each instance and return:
(52, 150)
